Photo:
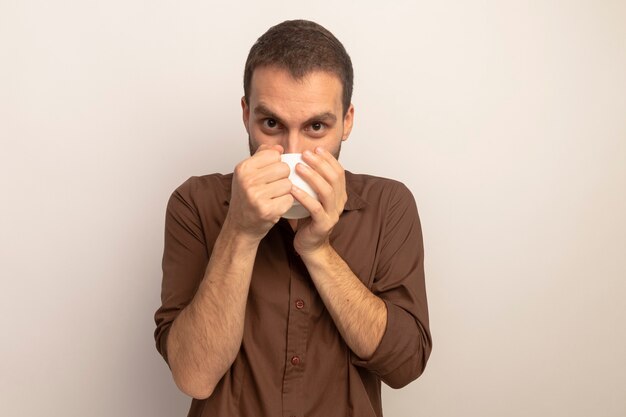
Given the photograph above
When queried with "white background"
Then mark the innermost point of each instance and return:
(506, 119)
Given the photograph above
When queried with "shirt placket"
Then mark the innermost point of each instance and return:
(297, 333)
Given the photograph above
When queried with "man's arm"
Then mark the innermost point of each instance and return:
(391, 339)
(360, 316)
(206, 335)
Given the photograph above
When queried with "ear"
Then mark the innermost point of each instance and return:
(245, 113)
(348, 121)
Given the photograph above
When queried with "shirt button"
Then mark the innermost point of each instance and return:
(299, 304)
(295, 361)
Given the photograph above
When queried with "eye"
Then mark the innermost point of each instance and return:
(317, 126)
(270, 123)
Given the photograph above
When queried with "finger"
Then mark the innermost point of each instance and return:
(279, 148)
(264, 157)
(321, 164)
(282, 204)
(262, 197)
(321, 187)
(272, 172)
(271, 200)
(276, 189)
(265, 147)
(318, 215)
(334, 174)
(275, 208)
(262, 147)
(329, 158)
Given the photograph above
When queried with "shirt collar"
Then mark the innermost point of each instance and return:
(354, 201)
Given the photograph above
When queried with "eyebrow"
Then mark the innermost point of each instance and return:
(263, 110)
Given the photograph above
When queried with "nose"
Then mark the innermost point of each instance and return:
(292, 142)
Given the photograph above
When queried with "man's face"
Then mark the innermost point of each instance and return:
(296, 114)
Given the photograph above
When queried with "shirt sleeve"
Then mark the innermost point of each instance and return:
(399, 281)
(185, 258)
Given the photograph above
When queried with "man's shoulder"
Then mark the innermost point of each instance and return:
(215, 182)
(368, 179)
(372, 188)
(204, 189)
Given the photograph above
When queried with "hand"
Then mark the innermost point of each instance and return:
(327, 178)
(260, 192)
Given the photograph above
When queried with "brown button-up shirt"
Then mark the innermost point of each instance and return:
(293, 360)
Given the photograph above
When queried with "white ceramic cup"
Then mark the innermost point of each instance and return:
(297, 211)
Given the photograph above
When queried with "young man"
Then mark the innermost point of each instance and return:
(264, 316)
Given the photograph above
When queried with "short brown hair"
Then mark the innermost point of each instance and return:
(301, 46)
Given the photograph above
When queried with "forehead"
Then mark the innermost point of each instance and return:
(317, 91)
